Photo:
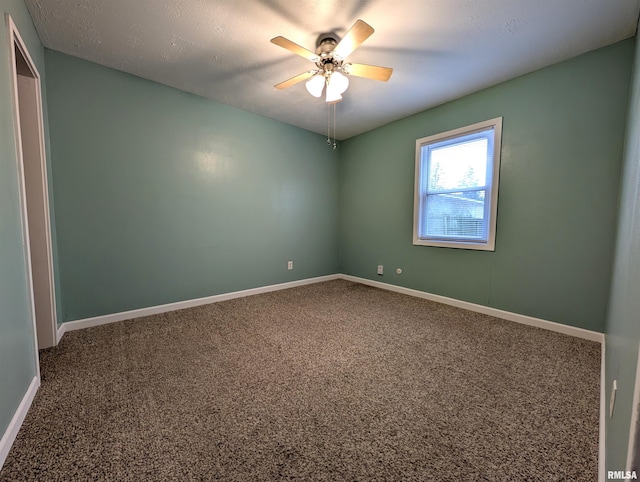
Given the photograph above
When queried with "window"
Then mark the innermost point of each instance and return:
(456, 191)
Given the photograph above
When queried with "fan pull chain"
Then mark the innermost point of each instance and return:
(334, 127)
(328, 124)
(329, 139)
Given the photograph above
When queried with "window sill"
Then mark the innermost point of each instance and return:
(488, 246)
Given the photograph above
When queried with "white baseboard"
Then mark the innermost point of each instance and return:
(16, 422)
(505, 315)
(62, 329)
(154, 310)
(603, 416)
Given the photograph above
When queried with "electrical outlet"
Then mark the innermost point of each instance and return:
(612, 400)
(380, 269)
(290, 265)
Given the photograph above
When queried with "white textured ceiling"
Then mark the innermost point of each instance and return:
(439, 49)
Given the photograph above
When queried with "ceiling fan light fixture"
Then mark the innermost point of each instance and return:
(332, 67)
(337, 84)
(315, 85)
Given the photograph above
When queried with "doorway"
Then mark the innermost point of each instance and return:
(34, 193)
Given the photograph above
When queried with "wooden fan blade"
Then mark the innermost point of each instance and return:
(295, 48)
(369, 71)
(358, 33)
(295, 80)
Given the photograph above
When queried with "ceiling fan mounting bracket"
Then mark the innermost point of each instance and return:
(326, 42)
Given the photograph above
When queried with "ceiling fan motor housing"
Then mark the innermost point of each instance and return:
(325, 46)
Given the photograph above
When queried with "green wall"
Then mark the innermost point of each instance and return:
(163, 196)
(17, 366)
(623, 321)
(562, 141)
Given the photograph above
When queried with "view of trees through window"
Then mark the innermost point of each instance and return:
(456, 188)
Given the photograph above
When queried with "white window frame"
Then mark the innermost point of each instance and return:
(491, 194)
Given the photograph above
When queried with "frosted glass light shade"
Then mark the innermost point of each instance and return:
(340, 82)
(315, 85)
(332, 96)
(337, 84)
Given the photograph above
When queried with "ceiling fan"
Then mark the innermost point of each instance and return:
(331, 65)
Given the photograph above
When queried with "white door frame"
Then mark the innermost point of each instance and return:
(45, 327)
(633, 426)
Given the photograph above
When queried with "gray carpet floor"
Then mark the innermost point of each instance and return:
(333, 381)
